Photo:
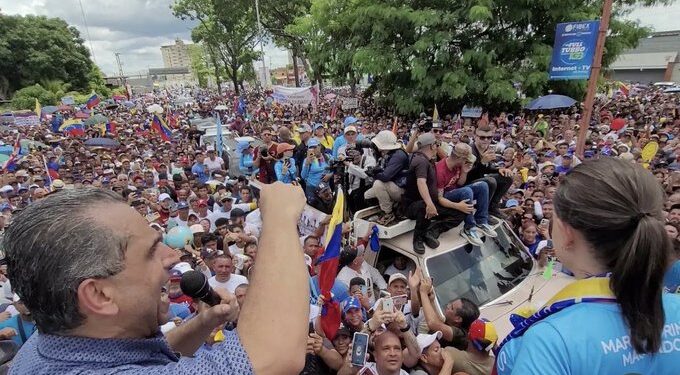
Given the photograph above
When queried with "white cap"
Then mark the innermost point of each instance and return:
(6, 189)
(196, 228)
(163, 197)
(397, 276)
(425, 340)
(182, 267)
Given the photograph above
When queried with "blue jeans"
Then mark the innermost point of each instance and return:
(478, 191)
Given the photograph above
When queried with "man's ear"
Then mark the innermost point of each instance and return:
(95, 296)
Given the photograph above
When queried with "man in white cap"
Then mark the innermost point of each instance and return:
(389, 176)
(431, 359)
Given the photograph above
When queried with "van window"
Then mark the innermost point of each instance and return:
(390, 261)
(480, 274)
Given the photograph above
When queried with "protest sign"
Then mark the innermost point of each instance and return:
(300, 96)
(574, 50)
(349, 103)
(475, 112)
(26, 119)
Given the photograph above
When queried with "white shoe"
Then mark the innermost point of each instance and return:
(471, 236)
(487, 230)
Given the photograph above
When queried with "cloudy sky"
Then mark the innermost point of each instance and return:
(137, 28)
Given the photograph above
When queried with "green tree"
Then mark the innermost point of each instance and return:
(200, 64)
(227, 27)
(36, 49)
(453, 53)
(25, 98)
(96, 83)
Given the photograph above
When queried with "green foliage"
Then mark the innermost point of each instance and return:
(200, 64)
(36, 49)
(25, 98)
(452, 53)
(97, 83)
(226, 28)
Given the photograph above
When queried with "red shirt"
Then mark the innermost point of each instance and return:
(446, 179)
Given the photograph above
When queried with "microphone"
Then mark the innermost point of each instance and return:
(195, 285)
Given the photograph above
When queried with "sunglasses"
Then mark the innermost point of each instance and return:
(485, 138)
(437, 131)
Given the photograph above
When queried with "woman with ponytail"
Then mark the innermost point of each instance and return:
(609, 231)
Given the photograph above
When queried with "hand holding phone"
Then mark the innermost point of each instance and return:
(359, 349)
(388, 305)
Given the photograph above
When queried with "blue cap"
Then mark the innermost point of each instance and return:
(313, 142)
(351, 303)
(349, 120)
(182, 205)
(511, 203)
(5, 207)
(318, 125)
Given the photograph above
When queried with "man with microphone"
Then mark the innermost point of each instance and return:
(91, 270)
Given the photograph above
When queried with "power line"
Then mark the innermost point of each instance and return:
(87, 30)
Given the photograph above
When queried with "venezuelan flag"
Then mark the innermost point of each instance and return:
(330, 314)
(92, 101)
(159, 126)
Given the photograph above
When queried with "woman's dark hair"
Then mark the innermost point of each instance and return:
(617, 207)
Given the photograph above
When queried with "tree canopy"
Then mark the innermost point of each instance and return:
(452, 52)
(36, 49)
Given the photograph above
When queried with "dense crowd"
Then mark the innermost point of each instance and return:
(439, 172)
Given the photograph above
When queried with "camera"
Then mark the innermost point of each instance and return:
(425, 126)
(336, 166)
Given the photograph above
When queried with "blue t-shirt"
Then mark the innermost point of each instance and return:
(591, 338)
(13, 322)
(671, 281)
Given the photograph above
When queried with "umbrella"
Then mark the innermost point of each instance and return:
(330, 96)
(154, 108)
(27, 143)
(618, 123)
(102, 142)
(96, 119)
(82, 115)
(111, 106)
(221, 107)
(49, 109)
(3, 158)
(551, 102)
(64, 107)
(128, 104)
(672, 90)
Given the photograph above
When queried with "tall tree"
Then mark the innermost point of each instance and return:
(36, 49)
(456, 52)
(228, 27)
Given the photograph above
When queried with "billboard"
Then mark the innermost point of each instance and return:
(574, 50)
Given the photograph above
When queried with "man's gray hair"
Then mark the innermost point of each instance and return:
(52, 246)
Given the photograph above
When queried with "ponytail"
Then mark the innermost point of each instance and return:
(637, 282)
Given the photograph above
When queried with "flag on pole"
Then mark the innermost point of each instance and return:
(218, 134)
(435, 114)
(395, 125)
(330, 313)
(10, 164)
(92, 101)
(161, 128)
(334, 109)
(111, 128)
(38, 108)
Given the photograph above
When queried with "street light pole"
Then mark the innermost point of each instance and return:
(594, 75)
(259, 27)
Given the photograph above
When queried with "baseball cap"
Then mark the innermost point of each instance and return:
(283, 147)
(397, 276)
(225, 197)
(313, 143)
(304, 128)
(463, 151)
(182, 205)
(343, 331)
(202, 202)
(237, 212)
(196, 228)
(351, 303)
(163, 197)
(511, 203)
(322, 186)
(318, 125)
(482, 334)
(58, 184)
(350, 128)
(426, 139)
(425, 340)
(6, 189)
(182, 267)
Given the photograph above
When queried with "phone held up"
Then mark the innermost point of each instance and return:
(359, 349)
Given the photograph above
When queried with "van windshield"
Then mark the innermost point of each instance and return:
(480, 274)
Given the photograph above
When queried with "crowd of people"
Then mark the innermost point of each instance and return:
(443, 173)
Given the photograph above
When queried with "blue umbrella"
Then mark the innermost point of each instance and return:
(128, 104)
(551, 102)
(49, 109)
(102, 142)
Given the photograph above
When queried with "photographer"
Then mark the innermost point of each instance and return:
(286, 170)
(265, 158)
(314, 167)
(359, 160)
(389, 175)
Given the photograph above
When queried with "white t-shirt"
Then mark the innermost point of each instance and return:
(233, 250)
(231, 284)
(373, 367)
(371, 275)
(213, 165)
(392, 270)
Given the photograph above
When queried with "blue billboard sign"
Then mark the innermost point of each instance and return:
(574, 50)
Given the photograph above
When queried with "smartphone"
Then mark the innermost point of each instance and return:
(364, 290)
(549, 244)
(388, 304)
(545, 223)
(400, 300)
(311, 327)
(359, 349)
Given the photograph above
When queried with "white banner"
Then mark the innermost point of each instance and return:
(68, 100)
(300, 96)
(475, 112)
(31, 120)
(349, 103)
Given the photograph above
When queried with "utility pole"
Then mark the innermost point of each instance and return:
(259, 27)
(121, 76)
(594, 75)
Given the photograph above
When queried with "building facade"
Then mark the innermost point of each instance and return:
(655, 59)
(176, 55)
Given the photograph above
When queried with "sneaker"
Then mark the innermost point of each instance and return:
(470, 234)
(487, 230)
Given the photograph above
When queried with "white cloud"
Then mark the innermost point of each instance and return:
(137, 28)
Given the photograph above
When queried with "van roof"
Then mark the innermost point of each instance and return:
(448, 240)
